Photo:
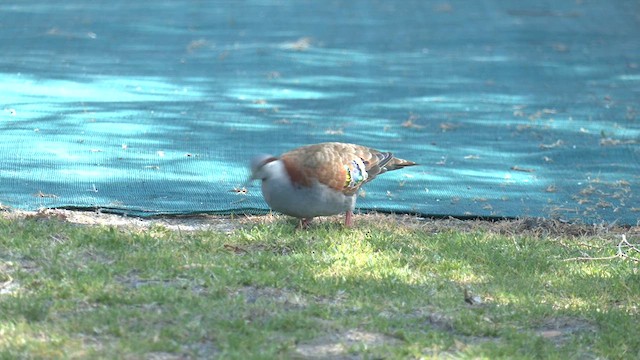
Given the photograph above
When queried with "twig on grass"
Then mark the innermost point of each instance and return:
(623, 254)
(586, 258)
(620, 253)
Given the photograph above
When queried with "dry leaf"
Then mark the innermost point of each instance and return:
(517, 168)
(551, 146)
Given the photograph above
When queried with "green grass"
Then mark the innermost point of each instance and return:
(381, 290)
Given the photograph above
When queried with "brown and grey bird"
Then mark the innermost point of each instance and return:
(321, 179)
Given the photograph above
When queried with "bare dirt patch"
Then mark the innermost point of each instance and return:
(535, 227)
(338, 345)
(8, 266)
(8, 285)
(283, 297)
(95, 218)
(560, 329)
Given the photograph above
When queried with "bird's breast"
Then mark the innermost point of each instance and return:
(306, 201)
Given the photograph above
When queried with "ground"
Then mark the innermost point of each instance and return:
(527, 226)
(350, 313)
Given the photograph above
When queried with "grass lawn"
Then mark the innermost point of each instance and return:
(392, 287)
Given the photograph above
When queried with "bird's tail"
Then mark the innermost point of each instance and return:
(397, 163)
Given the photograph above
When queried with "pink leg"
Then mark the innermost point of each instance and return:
(348, 219)
(304, 223)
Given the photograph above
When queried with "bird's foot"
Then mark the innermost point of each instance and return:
(348, 219)
(304, 223)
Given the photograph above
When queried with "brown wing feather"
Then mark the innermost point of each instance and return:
(315, 162)
(328, 162)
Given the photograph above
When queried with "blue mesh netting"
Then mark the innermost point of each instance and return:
(525, 108)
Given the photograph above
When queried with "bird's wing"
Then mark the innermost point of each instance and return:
(340, 166)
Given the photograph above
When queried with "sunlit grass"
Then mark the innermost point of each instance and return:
(383, 289)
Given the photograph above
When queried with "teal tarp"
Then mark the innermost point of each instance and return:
(527, 108)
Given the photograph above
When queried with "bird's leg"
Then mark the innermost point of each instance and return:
(348, 219)
(304, 223)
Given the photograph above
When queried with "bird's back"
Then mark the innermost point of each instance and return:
(340, 166)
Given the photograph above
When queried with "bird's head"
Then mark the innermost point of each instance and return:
(263, 166)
